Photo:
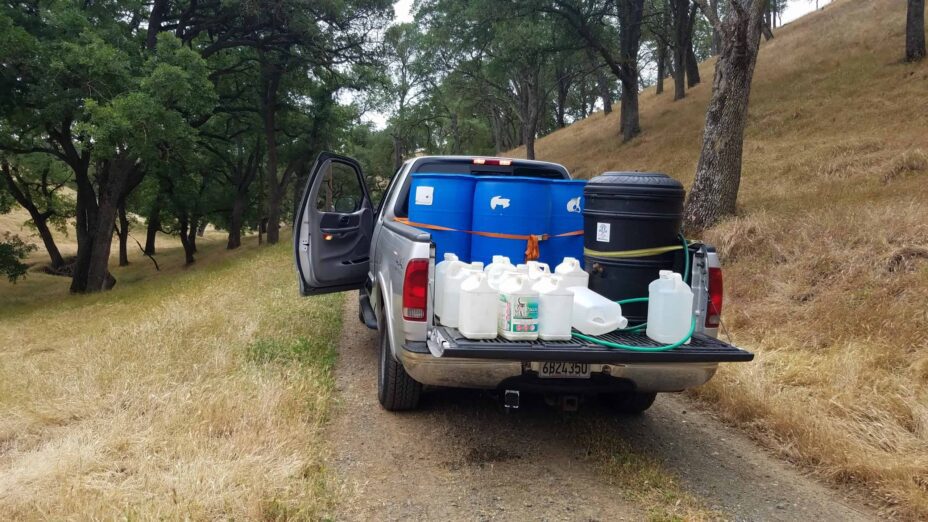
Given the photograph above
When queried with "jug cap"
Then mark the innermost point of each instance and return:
(502, 259)
(567, 265)
(450, 256)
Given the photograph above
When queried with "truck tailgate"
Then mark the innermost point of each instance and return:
(448, 342)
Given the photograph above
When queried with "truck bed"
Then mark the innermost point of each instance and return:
(448, 342)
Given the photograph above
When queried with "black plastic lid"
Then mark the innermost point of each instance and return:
(623, 182)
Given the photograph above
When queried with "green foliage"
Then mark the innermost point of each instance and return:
(12, 251)
(173, 89)
(41, 178)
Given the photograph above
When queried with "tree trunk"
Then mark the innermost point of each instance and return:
(692, 64)
(718, 174)
(54, 255)
(630, 126)
(236, 218)
(561, 108)
(680, 26)
(716, 36)
(497, 127)
(40, 219)
(630, 14)
(530, 101)
(153, 227)
(692, 67)
(273, 216)
(114, 183)
(98, 275)
(270, 77)
(85, 226)
(528, 136)
(192, 233)
(661, 68)
(123, 234)
(397, 153)
(915, 31)
(186, 233)
(604, 93)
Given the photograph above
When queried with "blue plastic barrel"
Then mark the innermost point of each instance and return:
(566, 215)
(508, 205)
(445, 200)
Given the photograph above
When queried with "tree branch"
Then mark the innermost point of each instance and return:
(712, 16)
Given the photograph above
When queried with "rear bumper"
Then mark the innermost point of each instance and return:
(495, 373)
(447, 359)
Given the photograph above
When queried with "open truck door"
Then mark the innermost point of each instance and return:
(334, 223)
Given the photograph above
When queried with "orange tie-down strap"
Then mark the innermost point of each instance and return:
(531, 248)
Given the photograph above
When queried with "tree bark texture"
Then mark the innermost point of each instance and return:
(123, 232)
(270, 77)
(692, 67)
(563, 90)
(630, 14)
(692, 64)
(718, 173)
(680, 9)
(915, 31)
(661, 68)
(115, 181)
(153, 227)
(530, 102)
(186, 229)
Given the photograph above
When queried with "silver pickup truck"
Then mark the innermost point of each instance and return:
(343, 240)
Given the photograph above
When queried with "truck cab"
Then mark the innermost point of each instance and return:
(343, 240)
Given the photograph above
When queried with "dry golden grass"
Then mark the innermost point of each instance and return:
(199, 395)
(826, 264)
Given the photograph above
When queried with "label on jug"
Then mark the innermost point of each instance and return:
(518, 314)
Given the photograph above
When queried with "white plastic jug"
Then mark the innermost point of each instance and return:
(496, 269)
(571, 271)
(479, 305)
(594, 314)
(555, 307)
(670, 308)
(452, 299)
(441, 272)
(537, 270)
(518, 308)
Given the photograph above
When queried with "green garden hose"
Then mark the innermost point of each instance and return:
(642, 326)
(618, 346)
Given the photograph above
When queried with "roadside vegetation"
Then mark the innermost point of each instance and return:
(826, 263)
(195, 393)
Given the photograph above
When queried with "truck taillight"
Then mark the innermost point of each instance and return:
(714, 312)
(492, 161)
(415, 289)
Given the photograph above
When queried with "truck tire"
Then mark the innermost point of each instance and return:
(631, 403)
(396, 390)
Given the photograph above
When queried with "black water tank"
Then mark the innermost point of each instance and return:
(631, 211)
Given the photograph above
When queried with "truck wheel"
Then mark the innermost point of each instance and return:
(396, 390)
(631, 403)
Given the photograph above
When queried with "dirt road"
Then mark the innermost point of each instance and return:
(461, 458)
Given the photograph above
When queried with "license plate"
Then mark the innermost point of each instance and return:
(563, 370)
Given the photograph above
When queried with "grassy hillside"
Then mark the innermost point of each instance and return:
(826, 264)
(198, 393)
